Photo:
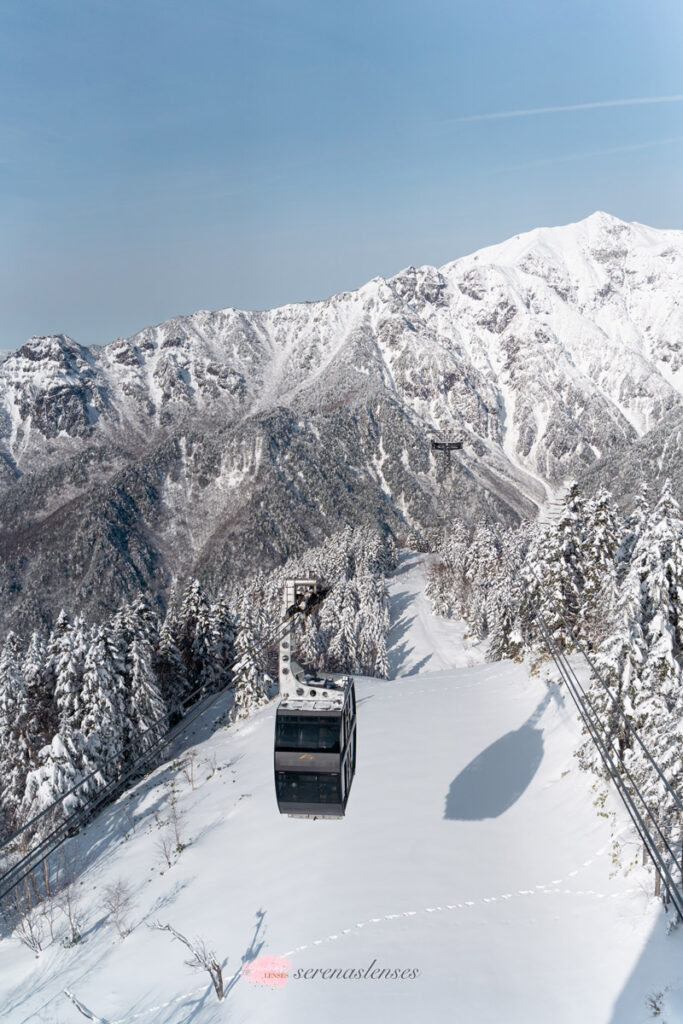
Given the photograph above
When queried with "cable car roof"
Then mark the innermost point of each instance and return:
(311, 705)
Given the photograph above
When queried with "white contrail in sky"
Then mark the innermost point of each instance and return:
(638, 101)
(580, 156)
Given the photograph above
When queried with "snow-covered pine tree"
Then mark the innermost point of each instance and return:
(147, 709)
(633, 527)
(251, 680)
(169, 670)
(456, 584)
(311, 644)
(135, 634)
(67, 650)
(194, 639)
(27, 721)
(40, 707)
(55, 775)
(343, 644)
(222, 633)
(15, 754)
(107, 722)
(619, 661)
(600, 544)
(659, 554)
(372, 624)
(553, 578)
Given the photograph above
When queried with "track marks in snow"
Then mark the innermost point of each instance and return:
(543, 888)
(622, 894)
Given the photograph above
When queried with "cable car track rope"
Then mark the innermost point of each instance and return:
(69, 825)
(619, 773)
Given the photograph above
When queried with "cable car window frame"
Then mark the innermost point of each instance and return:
(309, 729)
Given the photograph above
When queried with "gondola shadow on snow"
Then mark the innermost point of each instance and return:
(491, 783)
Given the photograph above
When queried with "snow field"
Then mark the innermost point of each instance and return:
(471, 851)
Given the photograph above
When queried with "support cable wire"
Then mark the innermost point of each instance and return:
(581, 698)
(73, 822)
(160, 720)
(672, 887)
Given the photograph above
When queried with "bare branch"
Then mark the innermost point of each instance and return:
(202, 959)
(83, 1009)
(118, 900)
(164, 845)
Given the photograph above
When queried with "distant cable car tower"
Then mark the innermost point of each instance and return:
(447, 447)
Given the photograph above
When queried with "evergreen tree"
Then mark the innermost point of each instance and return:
(67, 651)
(619, 661)
(134, 635)
(147, 710)
(251, 680)
(107, 723)
(600, 545)
(55, 775)
(659, 556)
(194, 639)
(222, 638)
(40, 711)
(15, 753)
(169, 670)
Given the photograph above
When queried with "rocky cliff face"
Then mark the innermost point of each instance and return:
(224, 441)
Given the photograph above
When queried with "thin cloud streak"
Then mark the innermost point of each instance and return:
(586, 153)
(533, 111)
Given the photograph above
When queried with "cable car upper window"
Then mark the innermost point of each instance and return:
(306, 732)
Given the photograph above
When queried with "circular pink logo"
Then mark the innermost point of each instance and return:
(267, 970)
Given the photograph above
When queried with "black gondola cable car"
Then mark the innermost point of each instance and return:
(315, 729)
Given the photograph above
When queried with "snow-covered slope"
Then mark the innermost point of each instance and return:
(471, 853)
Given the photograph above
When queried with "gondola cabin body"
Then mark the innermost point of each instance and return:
(315, 751)
(315, 729)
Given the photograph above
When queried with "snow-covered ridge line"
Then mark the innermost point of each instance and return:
(210, 443)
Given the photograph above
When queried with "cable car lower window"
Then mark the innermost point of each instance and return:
(308, 787)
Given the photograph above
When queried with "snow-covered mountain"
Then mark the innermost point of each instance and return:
(222, 440)
(471, 858)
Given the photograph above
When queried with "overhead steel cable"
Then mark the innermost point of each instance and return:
(673, 888)
(581, 698)
(160, 720)
(66, 828)
(622, 714)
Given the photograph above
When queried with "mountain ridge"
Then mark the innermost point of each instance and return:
(222, 439)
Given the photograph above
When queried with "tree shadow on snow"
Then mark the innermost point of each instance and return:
(657, 967)
(496, 778)
(193, 1007)
(418, 666)
(250, 953)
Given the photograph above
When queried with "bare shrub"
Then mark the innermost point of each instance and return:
(189, 766)
(175, 818)
(201, 959)
(118, 900)
(211, 763)
(30, 929)
(164, 845)
(68, 897)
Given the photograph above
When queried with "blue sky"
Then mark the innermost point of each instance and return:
(160, 156)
